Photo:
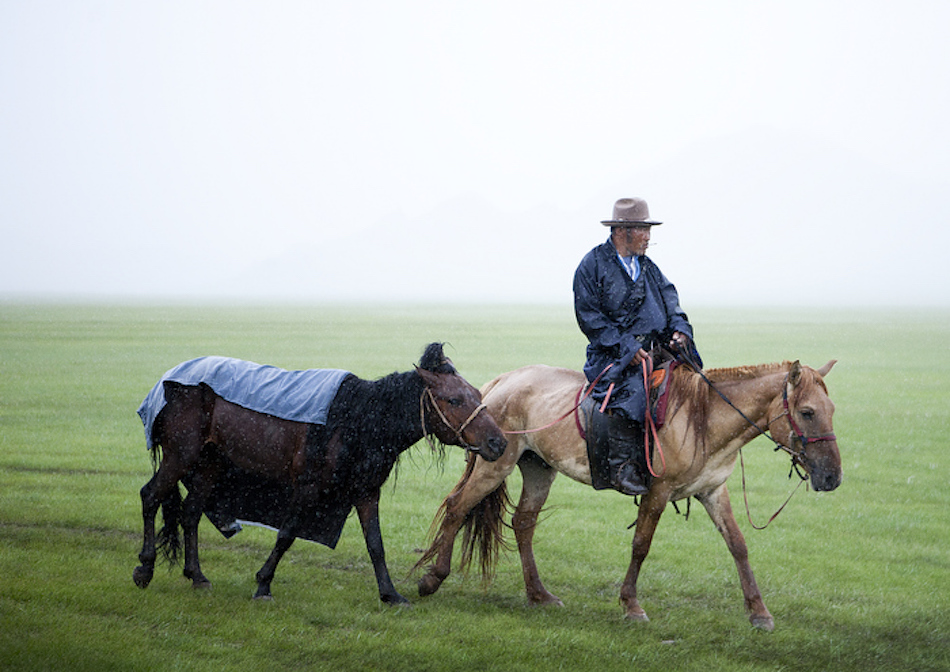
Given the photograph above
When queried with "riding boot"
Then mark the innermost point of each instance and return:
(625, 451)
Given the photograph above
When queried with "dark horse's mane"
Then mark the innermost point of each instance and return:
(355, 411)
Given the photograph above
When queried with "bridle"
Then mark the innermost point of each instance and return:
(798, 457)
(427, 393)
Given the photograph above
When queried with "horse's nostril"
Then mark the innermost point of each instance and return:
(827, 483)
(497, 444)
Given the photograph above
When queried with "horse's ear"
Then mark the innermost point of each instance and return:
(427, 376)
(795, 373)
(823, 371)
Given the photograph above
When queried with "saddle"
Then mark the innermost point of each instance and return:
(595, 421)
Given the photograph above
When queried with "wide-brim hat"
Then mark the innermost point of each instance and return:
(631, 212)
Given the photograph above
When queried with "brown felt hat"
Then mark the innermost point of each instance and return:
(631, 212)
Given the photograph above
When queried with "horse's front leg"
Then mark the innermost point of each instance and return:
(718, 506)
(368, 511)
(651, 508)
(285, 538)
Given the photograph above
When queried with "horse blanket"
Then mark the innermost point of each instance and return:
(303, 396)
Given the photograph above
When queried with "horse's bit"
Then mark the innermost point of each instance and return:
(458, 432)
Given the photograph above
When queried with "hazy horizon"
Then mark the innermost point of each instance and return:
(435, 153)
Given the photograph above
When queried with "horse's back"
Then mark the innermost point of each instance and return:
(536, 386)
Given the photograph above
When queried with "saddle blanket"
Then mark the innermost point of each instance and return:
(303, 396)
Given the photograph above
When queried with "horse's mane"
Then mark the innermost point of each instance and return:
(745, 372)
(384, 413)
(434, 359)
(687, 388)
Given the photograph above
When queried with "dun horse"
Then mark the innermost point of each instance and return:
(303, 477)
(707, 422)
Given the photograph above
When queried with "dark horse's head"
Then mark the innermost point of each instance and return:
(453, 409)
(808, 411)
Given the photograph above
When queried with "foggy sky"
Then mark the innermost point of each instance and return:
(367, 151)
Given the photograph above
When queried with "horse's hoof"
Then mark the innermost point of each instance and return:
(263, 598)
(765, 623)
(396, 600)
(201, 585)
(639, 616)
(429, 584)
(142, 576)
(548, 600)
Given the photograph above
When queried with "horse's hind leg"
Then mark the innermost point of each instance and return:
(720, 510)
(199, 486)
(178, 429)
(537, 478)
(480, 480)
(151, 494)
(160, 491)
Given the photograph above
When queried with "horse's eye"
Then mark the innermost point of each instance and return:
(455, 401)
(807, 413)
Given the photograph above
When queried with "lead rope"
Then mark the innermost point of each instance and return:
(745, 497)
(590, 388)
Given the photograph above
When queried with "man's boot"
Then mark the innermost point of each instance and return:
(625, 451)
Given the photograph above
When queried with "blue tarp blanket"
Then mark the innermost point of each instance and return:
(303, 396)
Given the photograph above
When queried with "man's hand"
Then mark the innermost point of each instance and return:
(679, 340)
(641, 356)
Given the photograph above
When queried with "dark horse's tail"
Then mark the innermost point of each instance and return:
(168, 540)
(483, 528)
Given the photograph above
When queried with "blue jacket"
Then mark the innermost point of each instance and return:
(620, 316)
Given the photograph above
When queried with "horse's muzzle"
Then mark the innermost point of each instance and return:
(825, 481)
(493, 448)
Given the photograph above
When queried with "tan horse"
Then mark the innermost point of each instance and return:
(708, 421)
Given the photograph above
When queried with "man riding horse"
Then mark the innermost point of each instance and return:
(626, 307)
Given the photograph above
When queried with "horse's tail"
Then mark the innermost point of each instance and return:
(169, 541)
(483, 531)
(483, 527)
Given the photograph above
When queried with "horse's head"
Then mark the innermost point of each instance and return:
(453, 409)
(807, 411)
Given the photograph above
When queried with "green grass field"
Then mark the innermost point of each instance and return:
(857, 579)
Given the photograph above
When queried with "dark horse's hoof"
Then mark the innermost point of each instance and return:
(142, 576)
(396, 600)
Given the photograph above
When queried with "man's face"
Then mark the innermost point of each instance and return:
(634, 240)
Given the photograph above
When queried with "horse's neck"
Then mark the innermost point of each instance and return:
(752, 398)
(389, 413)
(405, 410)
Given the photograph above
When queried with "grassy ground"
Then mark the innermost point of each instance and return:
(856, 579)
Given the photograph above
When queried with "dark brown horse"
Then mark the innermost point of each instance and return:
(700, 439)
(307, 475)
